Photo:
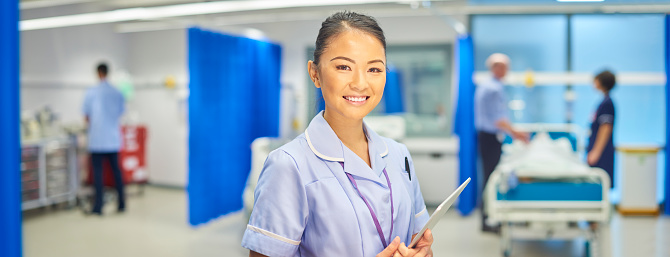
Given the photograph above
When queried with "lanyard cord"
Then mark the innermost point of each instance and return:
(372, 212)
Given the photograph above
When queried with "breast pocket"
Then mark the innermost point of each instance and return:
(331, 219)
(403, 200)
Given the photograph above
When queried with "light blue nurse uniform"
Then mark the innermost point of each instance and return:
(305, 205)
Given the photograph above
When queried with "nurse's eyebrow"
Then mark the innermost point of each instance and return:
(351, 60)
(374, 61)
(343, 58)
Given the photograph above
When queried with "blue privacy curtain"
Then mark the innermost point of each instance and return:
(320, 103)
(667, 114)
(464, 123)
(234, 98)
(393, 91)
(10, 181)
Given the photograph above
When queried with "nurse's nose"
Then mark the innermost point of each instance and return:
(359, 82)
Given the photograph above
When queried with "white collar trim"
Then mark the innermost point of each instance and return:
(335, 159)
(322, 156)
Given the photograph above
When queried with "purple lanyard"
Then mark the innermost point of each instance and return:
(372, 213)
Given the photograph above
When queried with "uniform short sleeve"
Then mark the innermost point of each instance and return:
(606, 113)
(280, 209)
(420, 212)
(86, 107)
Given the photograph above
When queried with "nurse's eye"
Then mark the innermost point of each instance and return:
(343, 67)
(375, 70)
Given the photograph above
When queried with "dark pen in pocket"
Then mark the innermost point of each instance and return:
(407, 169)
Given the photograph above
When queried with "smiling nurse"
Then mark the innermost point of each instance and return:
(340, 189)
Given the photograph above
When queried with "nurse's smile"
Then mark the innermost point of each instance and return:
(356, 100)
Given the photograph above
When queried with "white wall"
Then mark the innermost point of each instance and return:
(67, 56)
(164, 114)
(152, 56)
(58, 64)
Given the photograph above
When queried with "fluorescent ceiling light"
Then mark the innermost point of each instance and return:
(576, 1)
(25, 5)
(149, 13)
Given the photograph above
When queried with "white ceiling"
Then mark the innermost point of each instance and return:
(49, 12)
(117, 4)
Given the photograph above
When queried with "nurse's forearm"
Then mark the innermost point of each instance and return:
(255, 254)
(604, 133)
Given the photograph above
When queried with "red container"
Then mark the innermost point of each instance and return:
(132, 158)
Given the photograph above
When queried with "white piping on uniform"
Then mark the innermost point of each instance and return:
(309, 142)
(386, 152)
(420, 213)
(273, 235)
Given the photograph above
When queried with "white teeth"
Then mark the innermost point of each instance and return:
(356, 99)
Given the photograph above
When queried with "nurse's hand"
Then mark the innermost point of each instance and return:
(392, 248)
(422, 248)
(592, 158)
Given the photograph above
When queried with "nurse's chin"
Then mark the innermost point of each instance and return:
(358, 115)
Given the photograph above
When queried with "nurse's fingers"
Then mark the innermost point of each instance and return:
(404, 251)
(388, 252)
(422, 253)
(428, 236)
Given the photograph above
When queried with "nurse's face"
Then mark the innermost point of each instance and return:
(351, 74)
(597, 86)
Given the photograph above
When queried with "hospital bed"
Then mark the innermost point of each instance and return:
(544, 190)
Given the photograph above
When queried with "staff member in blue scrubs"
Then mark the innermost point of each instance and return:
(103, 107)
(601, 142)
(340, 189)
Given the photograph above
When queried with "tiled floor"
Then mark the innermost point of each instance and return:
(156, 225)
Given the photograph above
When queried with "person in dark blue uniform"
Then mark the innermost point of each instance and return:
(601, 144)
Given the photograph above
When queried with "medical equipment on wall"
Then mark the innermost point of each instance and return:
(543, 190)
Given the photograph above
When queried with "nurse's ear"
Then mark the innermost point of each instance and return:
(312, 68)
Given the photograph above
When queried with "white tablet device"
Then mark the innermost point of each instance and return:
(441, 210)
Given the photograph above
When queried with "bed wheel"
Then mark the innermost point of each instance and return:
(587, 249)
(505, 239)
(592, 244)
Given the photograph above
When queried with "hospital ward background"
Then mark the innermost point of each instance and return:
(207, 89)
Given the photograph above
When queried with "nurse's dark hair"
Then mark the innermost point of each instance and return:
(606, 79)
(345, 21)
(102, 68)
